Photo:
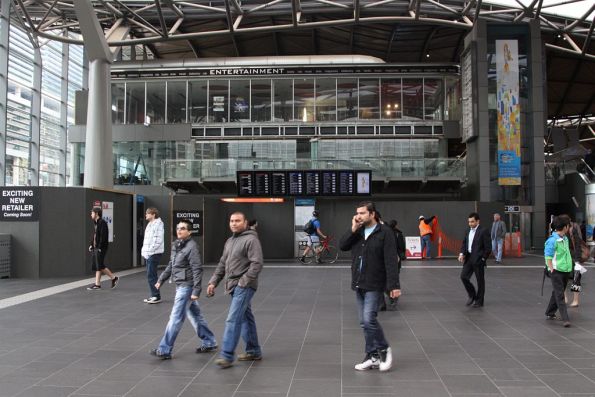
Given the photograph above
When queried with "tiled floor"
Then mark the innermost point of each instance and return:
(96, 343)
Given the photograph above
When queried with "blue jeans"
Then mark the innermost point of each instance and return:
(152, 263)
(179, 311)
(497, 248)
(425, 242)
(240, 322)
(367, 306)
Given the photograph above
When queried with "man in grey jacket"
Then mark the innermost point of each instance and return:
(498, 233)
(239, 266)
(185, 268)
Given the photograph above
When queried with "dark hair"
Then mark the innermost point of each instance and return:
(392, 224)
(187, 223)
(315, 213)
(238, 213)
(98, 211)
(560, 222)
(378, 216)
(566, 217)
(252, 222)
(153, 211)
(370, 206)
(474, 215)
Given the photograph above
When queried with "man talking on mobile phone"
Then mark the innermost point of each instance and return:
(373, 271)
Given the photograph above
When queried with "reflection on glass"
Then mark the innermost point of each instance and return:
(118, 103)
(176, 101)
(453, 99)
(239, 109)
(283, 91)
(218, 104)
(135, 103)
(368, 99)
(261, 100)
(156, 102)
(413, 99)
(346, 99)
(197, 101)
(433, 97)
(303, 104)
(326, 100)
(390, 97)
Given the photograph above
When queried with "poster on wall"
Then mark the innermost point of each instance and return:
(107, 208)
(19, 204)
(467, 114)
(413, 247)
(509, 112)
(590, 216)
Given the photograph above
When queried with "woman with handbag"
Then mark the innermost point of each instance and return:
(580, 254)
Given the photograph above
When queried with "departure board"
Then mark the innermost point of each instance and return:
(267, 183)
(262, 183)
(245, 184)
(278, 183)
(312, 179)
(296, 183)
(328, 183)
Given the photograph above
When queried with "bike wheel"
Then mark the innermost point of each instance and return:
(329, 254)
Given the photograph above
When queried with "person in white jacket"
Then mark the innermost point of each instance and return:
(152, 251)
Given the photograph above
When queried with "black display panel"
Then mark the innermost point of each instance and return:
(328, 183)
(245, 183)
(312, 183)
(346, 187)
(296, 183)
(262, 183)
(279, 183)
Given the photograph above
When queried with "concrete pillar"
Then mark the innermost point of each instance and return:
(64, 112)
(4, 35)
(35, 119)
(98, 145)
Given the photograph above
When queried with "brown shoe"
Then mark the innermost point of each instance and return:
(223, 363)
(249, 357)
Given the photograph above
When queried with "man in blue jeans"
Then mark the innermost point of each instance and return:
(185, 267)
(373, 271)
(152, 251)
(239, 267)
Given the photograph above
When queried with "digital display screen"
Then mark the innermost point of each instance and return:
(363, 180)
(279, 183)
(346, 183)
(329, 183)
(296, 183)
(262, 183)
(245, 183)
(312, 179)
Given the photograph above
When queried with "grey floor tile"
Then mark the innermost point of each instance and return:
(473, 384)
(318, 371)
(267, 379)
(103, 387)
(528, 392)
(158, 387)
(315, 388)
(569, 383)
(71, 376)
(209, 390)
(47, 391)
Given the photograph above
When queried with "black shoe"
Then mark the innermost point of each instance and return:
(158, 354)
(93, 287)
(470, 301)
(382, 308)
(206, 349)
(477, 304)
(115, 281)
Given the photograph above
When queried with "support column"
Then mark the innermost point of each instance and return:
(98, 144)
(34, 150)
(64, 112)
(4, 35)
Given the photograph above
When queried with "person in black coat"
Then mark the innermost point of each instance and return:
(475, 250)
(374, 256)
(98, 250)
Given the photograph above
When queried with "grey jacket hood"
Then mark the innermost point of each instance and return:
(240, 263)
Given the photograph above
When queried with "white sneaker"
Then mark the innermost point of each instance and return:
(386, 359)
(370, 362)
(152, 300)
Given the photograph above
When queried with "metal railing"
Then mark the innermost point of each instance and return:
(225, 169)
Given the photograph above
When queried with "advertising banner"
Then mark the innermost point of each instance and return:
(19, 204)
(108, 216)
(509, 112)
(413, 247)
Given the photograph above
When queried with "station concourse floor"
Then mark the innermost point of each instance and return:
(96, 343)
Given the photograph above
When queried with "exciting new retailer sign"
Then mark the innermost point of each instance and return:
(19, 204)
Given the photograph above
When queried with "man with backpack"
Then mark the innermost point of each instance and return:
(312, 229)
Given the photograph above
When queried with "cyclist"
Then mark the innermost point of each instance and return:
(314, 236)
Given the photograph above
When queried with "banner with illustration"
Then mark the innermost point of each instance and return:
(509, 112)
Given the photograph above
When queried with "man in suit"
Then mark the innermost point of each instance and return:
(474, 253)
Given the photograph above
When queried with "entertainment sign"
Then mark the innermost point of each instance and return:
(19, 204)
(263, 183)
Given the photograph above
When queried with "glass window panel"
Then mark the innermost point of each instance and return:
(49, 179)
(368, 99)
(17, 162)
(197, 101)
(118, 103)
(303, 108)
(453, 99)
(135, 103)
(156, 102)
(390, 97)
(283, 104)
(18, 120)
(433, 99)
(346, 99)
(261, 100)
(240, 100)
(218, 101)
(326, 99)
(49, 159)
(176, 101)
(50, 106)
(413, 99)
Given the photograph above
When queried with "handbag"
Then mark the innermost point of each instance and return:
(585, 251)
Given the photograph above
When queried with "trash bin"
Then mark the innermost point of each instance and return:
(4, 255)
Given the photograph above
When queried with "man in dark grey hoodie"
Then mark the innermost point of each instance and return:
(239, 267)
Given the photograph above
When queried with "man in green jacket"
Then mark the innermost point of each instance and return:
(559, 263)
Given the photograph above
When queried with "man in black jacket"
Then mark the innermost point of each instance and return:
(475, 251)
(373, 270)
(98, 250)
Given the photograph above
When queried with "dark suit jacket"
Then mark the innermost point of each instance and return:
(480, 248)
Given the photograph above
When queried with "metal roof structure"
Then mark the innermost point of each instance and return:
(393, 30)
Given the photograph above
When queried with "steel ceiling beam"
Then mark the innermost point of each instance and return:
(164, 31)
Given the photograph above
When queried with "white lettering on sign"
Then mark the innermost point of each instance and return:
(17, 193)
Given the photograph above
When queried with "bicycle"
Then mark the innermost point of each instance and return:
(326, 253)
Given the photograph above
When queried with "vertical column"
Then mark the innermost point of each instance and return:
(4, 34)
(64, 112)
(537, 123)
(34, 150)
(98, 145)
